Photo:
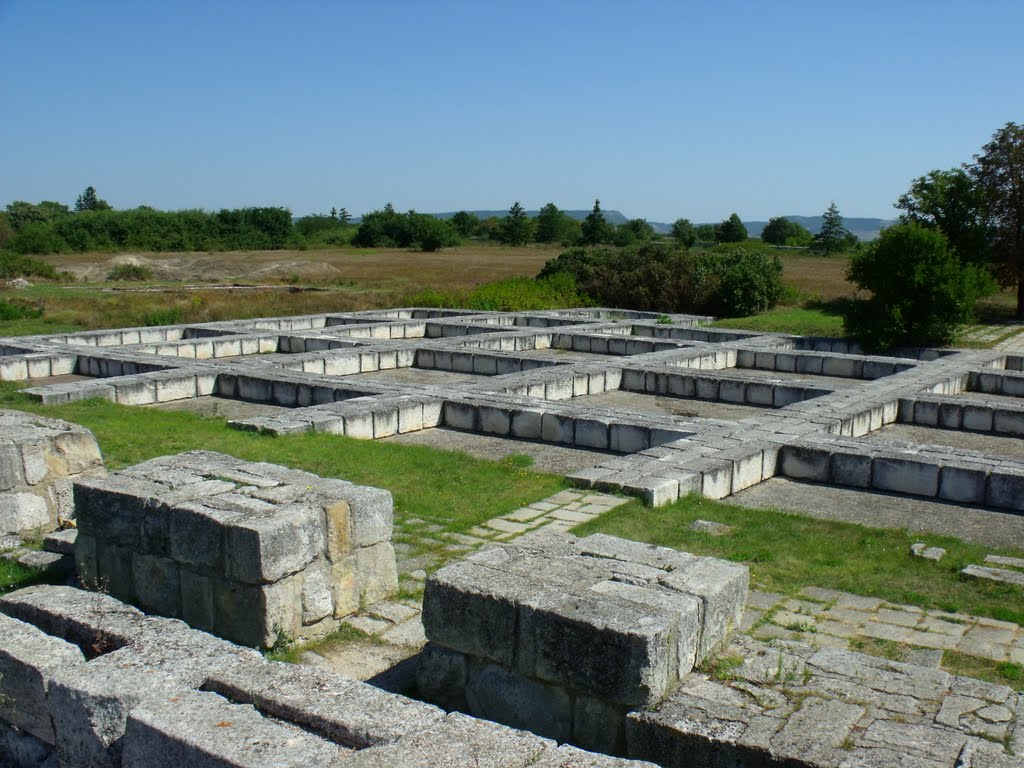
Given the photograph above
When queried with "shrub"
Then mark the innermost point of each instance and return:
(13, 265)
(130, 272)
(166, 316)
(18, 310)
(658, 277)
(921, 292)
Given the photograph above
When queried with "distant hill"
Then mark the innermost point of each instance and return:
(865, 229)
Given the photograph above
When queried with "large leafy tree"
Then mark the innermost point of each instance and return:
(731, 230)
(552, 225)
(833, 237)
(516, 228)
(782, 231)
(999, 174)
(596, 228)
(465, 223)
(951, 202)
(634, 231)
(684, 232)
(921, 293)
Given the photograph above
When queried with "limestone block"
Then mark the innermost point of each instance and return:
(197, 606)
(348, 712)
(459, 741)
(11, 472)
(806, 463)
(385, 422)
(22, 513)
(1008, 421)
(558, 428)
(498, 694)
(495, 420)
(441, 676)
(262, 549)
(526, 423)
(978, 418)
(904, 476)
(612, 650)
(851, 469)
(722, 588)
(964, 485)
(472, 609)
(592, 433)
(28, 659)
(157, 585)
(1005, 490)
(461, 416)
(377, 572)
(598, 725)
(203, 729)
(359, 426)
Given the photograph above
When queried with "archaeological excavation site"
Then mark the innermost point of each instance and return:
(172, 583)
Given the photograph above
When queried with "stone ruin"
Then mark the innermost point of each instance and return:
(249, 551)
(586, 640)
(88, 681)
(594, 641)
(39, 460)
(564, 636)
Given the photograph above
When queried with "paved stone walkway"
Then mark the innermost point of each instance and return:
(826, 618)
(423, 546)
(1006, 336)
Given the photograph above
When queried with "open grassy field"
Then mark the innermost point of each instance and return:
(203, 287)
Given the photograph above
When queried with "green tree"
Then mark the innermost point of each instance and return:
(782, 231)
(684, 232)
(20, 214)
(833, 237)
(596, 229)
(344, 217)
(705, 233)
(88, 201)
(951, 202)
(731, 230)
(429, 233)
(999, 174)
(552, 225)
(516, 228)
(465, 223)
(633, 231)
(921, 292)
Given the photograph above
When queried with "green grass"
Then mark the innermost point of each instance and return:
(787, 552)
(453, 490)
(14, 575)
(799, 320)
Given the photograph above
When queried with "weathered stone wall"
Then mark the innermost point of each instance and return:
(39, 458)
(248, 551)
(89, 681)
(563, 636)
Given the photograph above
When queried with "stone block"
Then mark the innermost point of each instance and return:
(1005, 490)
(592, 433)
(495, 420)
(157, 585)
(722, 588)
(1007, 421)
(22, 513)
(345, 711)
(376, 571)
(263, 549)
(977, 418)
(905, 476)
(202, 729)
(558, 428)
(526, 423)
(28, 659)
(461, 416)
(501, 695)
(851, 469)
(806, 463)
(197, 606)
(598, 725)
(629, 438)
(441, 676)
(963, 485)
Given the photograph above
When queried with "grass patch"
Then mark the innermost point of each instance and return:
(14, 575)
(1000, 672)
(453, 490)
(786, 552)
(799, 320)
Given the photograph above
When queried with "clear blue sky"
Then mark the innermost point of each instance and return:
(660, 109)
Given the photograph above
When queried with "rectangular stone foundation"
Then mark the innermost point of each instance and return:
(563, 636)
(248, 551)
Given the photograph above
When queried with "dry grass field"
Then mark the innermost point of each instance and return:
(202, 287)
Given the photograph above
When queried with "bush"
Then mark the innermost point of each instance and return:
(18, 310)
(13, 265)
(922, 294)
(130, 272)
(657, 277)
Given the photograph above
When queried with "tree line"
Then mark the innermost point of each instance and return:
(94, 225)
